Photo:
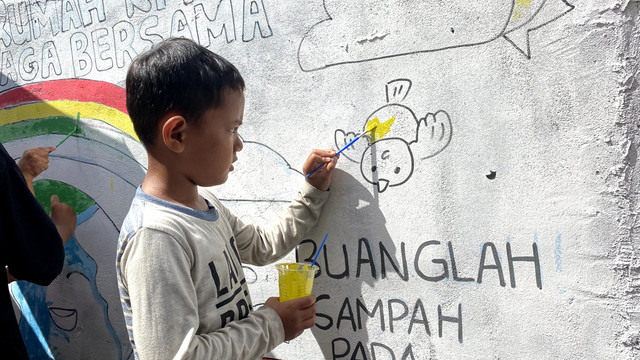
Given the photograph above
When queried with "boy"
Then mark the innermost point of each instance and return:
(182, 287)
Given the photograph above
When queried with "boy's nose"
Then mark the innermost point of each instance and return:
(239, 145)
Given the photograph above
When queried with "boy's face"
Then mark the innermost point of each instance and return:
(212, 144)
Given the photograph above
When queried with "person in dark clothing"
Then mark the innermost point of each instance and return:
(31, 243)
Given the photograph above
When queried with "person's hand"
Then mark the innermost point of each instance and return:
(34, 161)
(321, 178)
(296, 315)
(63, 217)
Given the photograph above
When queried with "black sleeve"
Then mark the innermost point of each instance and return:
(30, 243)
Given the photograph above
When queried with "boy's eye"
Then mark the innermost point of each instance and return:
(234, 130)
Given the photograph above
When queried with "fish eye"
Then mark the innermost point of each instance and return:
(397, 170)
(374, 168)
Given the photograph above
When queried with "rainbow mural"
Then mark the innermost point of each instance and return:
(96, 171)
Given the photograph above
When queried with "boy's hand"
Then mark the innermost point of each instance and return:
(321, 179)
(296, 315)
(34, 161)
(64, 218)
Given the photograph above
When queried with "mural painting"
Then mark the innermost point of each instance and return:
(472, 219)
(93, 171)
(389, 156)
(448, 25)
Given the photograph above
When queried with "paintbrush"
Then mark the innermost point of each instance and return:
(318, 253)
(75, 128)
(343, 149)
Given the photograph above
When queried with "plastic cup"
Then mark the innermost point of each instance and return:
(295, 280)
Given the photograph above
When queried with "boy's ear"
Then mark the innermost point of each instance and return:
(174, 132)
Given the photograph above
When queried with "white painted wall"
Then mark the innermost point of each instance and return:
(516, 130)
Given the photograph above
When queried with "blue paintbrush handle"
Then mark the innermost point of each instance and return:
(341, 150)
(346, 146)
(320, 248)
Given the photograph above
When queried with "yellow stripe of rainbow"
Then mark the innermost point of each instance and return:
(88, 110)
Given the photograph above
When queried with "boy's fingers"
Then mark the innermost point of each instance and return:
(307, 302)
(333, 163)
(303, 303)
(54, 200)
(44, 151)
(309, 322)
(324, 160)
(324, 153)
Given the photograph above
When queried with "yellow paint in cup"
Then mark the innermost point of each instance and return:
(295, 280)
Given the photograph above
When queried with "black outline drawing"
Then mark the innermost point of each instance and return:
(288, 165)
(547, 11)
(379, 165)
(264, 33)
(59, 315)
(433, 133)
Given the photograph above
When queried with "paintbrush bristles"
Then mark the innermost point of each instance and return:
(370, 128)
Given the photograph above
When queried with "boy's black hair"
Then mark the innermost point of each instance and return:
(176, 75)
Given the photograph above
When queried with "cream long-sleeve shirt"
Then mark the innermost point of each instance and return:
(182, 287)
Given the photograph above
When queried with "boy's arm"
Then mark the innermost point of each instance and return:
(261, 246)
(157, 272)
(264, 245)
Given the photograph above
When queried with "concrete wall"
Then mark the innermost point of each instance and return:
(494, 217)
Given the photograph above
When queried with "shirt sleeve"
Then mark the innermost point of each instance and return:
(262, 246)
(164, 305)
(32, 247)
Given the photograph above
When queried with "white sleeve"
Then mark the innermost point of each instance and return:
(164, 305)
(262, 246)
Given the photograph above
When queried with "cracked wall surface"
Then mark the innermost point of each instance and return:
(628, 265)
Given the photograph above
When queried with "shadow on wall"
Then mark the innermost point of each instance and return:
(95, 169)
(260, 187)
(358, 254)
